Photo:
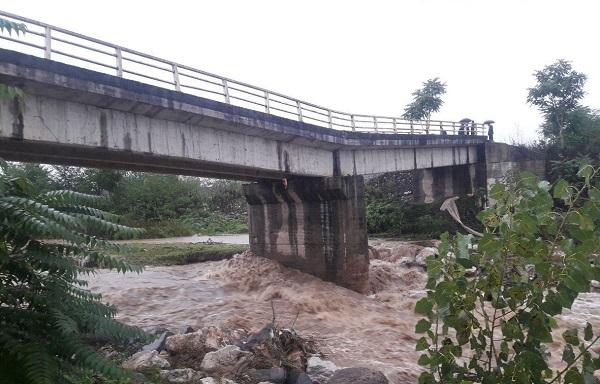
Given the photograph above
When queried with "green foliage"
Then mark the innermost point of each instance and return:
(397, 217)
(8, 92)
(180, 253)
(557, 93)
(426, 100)
(45, 308)
(11, 26)
(490, 302)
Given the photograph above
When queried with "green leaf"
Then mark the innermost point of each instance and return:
(422, 326)
(424, 360)
(571, 336)
(423, 307)
(568, 355)
(576, 281)
(498, 192)
(528, 179)
(588, 333)
(422, 344)
(562, 190)
(573, 376)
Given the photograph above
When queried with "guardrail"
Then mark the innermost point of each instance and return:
(59, 44)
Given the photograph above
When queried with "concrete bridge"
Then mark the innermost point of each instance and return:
(306, 202)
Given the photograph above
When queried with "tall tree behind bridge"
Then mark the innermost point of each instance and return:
(426, 101)
(557, 93)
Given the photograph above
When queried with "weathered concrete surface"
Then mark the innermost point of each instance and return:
(502, 159)
(79, 117)
(317, 226)
(495, 161)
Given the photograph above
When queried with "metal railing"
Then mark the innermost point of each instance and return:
(61, 45)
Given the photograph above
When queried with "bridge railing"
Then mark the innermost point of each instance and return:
(62, 45)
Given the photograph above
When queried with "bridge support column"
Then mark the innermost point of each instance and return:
(317, 226)
(437, 183)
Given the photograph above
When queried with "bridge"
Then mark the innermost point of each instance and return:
(96, 104)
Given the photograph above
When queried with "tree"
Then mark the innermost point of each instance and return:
(425, 101)
(493, 324)
(46, 311)
(558, 91)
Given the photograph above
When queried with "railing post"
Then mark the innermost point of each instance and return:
(119, 56)
(375, 124)
(299, 110)
(412, 129)
(226, 91)
(395, 127)
(454, 128)
(441, 128)
(353, 123)
(176, 78)
(267, 103)
(330, 118)
(48, 44)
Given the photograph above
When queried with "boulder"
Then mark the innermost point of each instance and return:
(184, 375)
(320, 370)
(186, 330)
(146, 359)
(424, 253)
(187, 343)
(358, 376)
(296, 376)
(204, 340)
(226, 361)
(273, 375)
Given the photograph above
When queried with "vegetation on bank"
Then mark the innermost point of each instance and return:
(143, 254)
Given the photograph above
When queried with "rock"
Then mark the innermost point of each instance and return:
(158, 344)
(358, 376)
(424, 253)
(320, 370)
(184, 375)
(187, 343)
(296, 376)
(273, 375)
(146, 359)
(204, 340)
(226, 361)
(186, 330)
(265, 334)
(208, 380)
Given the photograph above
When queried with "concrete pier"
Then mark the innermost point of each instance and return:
(315, 225)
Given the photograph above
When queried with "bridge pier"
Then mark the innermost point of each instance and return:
(315, 225)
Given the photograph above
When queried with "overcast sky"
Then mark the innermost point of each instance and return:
(362, 57)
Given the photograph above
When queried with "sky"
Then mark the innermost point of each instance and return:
(361, 57)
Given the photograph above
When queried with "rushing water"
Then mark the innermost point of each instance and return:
(375, 331)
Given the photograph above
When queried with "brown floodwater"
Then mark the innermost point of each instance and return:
(375, 331)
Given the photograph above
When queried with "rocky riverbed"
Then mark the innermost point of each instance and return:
(352, 330)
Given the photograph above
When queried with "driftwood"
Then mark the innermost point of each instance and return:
(450, 206)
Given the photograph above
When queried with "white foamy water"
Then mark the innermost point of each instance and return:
(375, 331)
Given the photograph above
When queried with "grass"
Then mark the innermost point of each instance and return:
(179, 253)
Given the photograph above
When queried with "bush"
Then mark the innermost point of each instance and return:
(494, 326)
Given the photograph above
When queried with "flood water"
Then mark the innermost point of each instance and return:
(375, 331)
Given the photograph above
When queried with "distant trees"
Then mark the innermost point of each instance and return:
(426, 100)
(557, 93)
(165, 205)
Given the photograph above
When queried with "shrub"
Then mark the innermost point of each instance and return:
(533, 261)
